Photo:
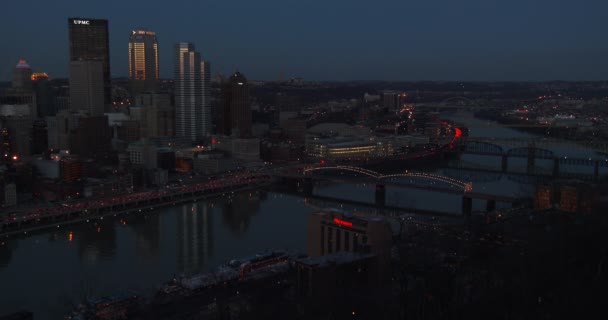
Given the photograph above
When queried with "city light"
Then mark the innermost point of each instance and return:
(457, 133)
(343, 223)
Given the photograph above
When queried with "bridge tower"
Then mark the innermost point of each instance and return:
(380, 195)
(531, 158)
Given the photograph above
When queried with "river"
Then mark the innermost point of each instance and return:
(47, 272)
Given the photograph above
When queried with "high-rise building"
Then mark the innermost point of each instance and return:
(393, 100)
(22, 75)
(235, 115)
(86, 87)
(89, 41)
(45, 94)
(40, 142)
(192, 104)
(143, 61)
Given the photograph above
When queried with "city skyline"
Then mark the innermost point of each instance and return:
(470, 40)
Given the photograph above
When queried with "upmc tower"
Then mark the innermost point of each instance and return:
(89, 41)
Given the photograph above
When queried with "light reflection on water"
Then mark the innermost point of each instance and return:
(65, 265)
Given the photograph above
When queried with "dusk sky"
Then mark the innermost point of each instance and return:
(332, 39)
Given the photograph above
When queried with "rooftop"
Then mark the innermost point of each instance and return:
(22, 64)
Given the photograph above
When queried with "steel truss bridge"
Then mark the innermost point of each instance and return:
(434, 182)
(462, 186)
(496, 146)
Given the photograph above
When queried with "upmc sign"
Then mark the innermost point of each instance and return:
(85, 22)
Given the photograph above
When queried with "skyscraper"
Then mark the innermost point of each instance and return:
(235, 115)
(89, 41)
(86, 87)
(45, 95)
(192, 105)
(143, 61)
(22, 75)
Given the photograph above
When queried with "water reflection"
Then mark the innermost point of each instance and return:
(147, 235)
(194, 238)
(238, 211)
(95, 241)
(6, 252)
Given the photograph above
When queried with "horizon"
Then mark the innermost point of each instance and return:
(469, 41)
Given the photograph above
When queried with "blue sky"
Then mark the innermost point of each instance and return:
(333, 39)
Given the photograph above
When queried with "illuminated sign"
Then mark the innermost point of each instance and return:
(343, 223)
(83, 22)
(143, 32)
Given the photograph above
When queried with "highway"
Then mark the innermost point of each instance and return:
(13, 223)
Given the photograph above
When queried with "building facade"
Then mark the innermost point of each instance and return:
(331, 231)
(192, 105)
(143, 61)
(87, 87)
(22, 75)
(156, 114)
(89, 41)
(235, 114)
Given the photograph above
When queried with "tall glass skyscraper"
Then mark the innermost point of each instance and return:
(89, 41)
(143, 61)
(192, 96)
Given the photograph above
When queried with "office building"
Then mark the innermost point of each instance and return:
(393, 100)
(155, 113)
(89, 41)
(87, 87)
(71, 169)
(45, 95)
(40, 142)
(192, 103)
(59, 129)
(143, 61)
(19, 134)
(22, 75)
(235, 115)
(332, 230)
(20, 97)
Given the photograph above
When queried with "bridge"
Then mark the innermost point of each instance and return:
(545, 143)
(418, 180)
(494, 147)
(456, 103)
(19, 222)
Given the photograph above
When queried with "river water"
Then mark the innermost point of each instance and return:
(48, 272)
